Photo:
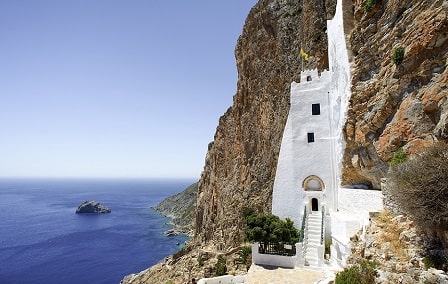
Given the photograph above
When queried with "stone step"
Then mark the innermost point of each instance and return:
(314, 228)
(314, 237)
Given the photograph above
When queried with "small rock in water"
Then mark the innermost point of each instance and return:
(92, 207)
(170, 233)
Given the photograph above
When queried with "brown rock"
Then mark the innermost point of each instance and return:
(395, 106)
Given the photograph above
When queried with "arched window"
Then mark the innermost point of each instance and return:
(313, 183)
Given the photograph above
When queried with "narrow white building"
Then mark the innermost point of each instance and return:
(308, 170)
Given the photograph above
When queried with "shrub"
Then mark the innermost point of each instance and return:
(328, 247)
(369, 4)
(292, 13)
(398, 158)
(200, 260)
(438, 261)
(244, 256)
(362, 273)
(398, 55)
(221, 267)
(420, 187)
(270, 228)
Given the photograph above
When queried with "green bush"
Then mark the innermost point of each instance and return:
(362, 273)
(398, 55)
(398, 158)
(244, 256)
(269, 228)
(369, 4)
(221, 267)
(200, 260)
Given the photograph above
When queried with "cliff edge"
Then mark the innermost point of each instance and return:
(393, 104)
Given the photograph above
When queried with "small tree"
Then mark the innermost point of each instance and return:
(420, 187)
(270, 228)
(398, 55)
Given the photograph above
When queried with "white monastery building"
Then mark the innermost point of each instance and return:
(307, 180)
(308, 170)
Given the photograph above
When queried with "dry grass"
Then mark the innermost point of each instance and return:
(391, 234)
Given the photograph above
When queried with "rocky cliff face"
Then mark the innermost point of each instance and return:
(392, 106)
(241, 162)
(181, 209)
(395, 105)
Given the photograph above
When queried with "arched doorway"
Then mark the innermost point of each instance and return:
(314, 204)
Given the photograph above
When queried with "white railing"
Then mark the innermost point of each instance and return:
(340, 251)
(305, 232)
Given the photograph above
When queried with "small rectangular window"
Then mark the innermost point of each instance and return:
(310, 137)
(315, 109)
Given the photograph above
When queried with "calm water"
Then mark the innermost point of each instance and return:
(42, 240)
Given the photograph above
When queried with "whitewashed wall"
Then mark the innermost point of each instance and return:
(299, 159)
(278, 260)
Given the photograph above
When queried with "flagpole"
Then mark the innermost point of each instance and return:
(302, 59)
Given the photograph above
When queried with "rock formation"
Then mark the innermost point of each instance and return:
(241, 163)
(398, 247)
(392, 105)
(395, 105)
(181, 208)
(92, 207)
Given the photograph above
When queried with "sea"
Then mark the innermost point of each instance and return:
(42, 240)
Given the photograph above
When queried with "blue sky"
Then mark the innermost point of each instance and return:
(114, 88)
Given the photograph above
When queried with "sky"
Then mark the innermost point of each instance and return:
(114, 88)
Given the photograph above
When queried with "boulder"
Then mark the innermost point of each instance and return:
(92, 207)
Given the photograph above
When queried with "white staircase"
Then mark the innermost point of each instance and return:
(313, 239)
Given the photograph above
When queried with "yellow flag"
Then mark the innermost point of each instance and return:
(303, 54)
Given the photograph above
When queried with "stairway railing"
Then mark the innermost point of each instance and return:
(304, 232)
(322, 229)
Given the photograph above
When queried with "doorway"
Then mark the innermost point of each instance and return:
(314, 204)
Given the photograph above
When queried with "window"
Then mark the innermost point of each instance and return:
(308, 78)
(315, 109)
(310, 137)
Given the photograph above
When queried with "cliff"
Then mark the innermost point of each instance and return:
(241, 163)
(392, 105)
(395, 105)
(181, 208)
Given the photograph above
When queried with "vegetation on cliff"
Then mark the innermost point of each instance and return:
(419, 186)
(399, 102)
(181, 208)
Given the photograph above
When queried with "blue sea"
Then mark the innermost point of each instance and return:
(42, 240)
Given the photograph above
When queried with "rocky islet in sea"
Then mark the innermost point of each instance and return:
(92, 207)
